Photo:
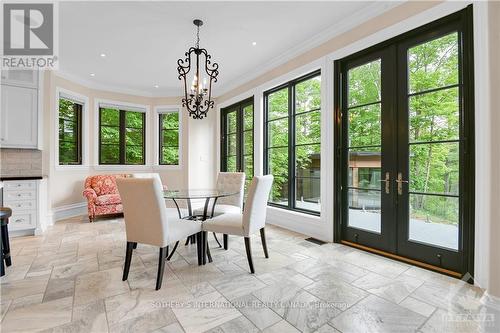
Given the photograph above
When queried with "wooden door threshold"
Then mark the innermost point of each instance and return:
(404, 259)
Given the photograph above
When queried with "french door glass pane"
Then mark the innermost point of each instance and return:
(365, 126)
(364, 210)
(434, 168)
(308, 95)
(278, 167)
(278, 133)
(434, 165)
(433, 64)
(308, 160)
(434, 116)
(364, 84)
(277, 104)
(308, 194)
(308, 128)
(434, 220)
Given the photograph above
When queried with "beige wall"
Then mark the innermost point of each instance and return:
(66, 185)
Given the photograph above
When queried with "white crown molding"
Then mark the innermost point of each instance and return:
(91, 84)
(346, 24)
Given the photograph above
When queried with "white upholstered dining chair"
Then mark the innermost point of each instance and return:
(252, 220)
(231, 182)
(147, 220)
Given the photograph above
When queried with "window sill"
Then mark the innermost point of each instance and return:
(167, 167)
(71, 167)
(121, 167)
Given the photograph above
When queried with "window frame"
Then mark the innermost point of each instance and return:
(238, 107)
(159, 110)
(122, 127)
(292, 177)
(82, 131)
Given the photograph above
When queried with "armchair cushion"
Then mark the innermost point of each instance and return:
(231, 224)
(108, 199)
(104, 184)
(219, 209)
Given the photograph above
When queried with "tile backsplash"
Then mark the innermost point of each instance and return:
(20, 162)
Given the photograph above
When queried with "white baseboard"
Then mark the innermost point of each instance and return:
(309, 225)
(64, 212)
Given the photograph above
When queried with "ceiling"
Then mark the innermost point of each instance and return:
(142, 41)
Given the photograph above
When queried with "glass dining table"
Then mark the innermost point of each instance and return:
(210, 197)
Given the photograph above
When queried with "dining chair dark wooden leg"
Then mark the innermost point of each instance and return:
(173, 251)
(161, 266)
(264, 244)
(225, 240)
(135, 246)
(204, 247)
(128, 259)
(2, 266)
(209, 255)
(198, 247)
(249, 254)
(216, 239)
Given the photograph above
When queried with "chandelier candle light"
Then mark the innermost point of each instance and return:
(198, 99)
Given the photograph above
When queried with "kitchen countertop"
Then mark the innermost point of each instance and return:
(32, 177)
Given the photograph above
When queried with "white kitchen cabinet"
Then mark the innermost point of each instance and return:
(20, 78)
(22, 196)
(19, 117)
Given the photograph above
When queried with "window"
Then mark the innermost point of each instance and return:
(169, 138)
(70, 131)
(237, 139)
(293, 143)
(121, 136)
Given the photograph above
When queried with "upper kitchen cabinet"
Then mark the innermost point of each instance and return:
(20, 78)
(20, 120)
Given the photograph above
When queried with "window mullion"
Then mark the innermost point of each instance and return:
(291, 146)
(122, 137)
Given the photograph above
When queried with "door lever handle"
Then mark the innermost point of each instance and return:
(387, 181)
(400, 182)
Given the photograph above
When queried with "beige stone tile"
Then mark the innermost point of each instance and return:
(59, 288)
(418, 306)
(259, 314)
(235, 286)
(237, 325)
(374, 314)
(26, 300)
(94, 286)
(24, 287)
(39, 316)
(394, 290)
(281, 327)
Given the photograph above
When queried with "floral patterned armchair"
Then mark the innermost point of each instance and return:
(102, 195)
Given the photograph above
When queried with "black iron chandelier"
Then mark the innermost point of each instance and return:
(198, 98)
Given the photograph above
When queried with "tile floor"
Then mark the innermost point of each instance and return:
(69, 280)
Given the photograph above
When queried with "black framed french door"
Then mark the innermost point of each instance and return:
(405, 152)
(237, 139)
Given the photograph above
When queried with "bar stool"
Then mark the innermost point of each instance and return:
(5, 213)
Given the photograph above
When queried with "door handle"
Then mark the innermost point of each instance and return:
(387, 181)
(400, 182)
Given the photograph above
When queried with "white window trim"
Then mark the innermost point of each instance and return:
(61, 92)
(160, 109)
(124, 106)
